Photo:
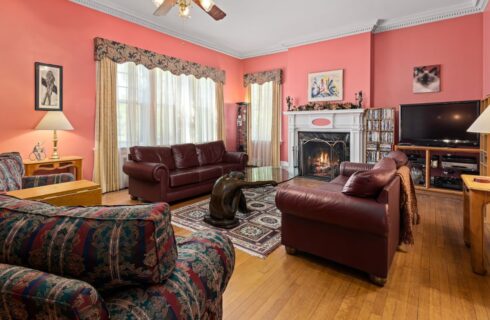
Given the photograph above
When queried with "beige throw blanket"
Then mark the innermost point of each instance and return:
(409, 214)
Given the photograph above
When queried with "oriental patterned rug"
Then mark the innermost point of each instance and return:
(259, 232)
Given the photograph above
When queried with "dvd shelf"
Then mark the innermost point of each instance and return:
(380, 133)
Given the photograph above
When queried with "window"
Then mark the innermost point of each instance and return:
(261, 123)
(156, 107)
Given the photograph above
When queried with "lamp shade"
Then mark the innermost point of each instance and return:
(54, 120)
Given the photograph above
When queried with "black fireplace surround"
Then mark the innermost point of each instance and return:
(320, 153)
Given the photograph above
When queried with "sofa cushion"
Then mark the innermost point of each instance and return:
(183, 177)
(154, 154)
(368, 184)
(210, 153)
(32, 294)
(10, 175)
(399, 157)
(107, 247)
(209, 173)
(185, 156)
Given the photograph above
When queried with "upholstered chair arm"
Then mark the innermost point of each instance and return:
(146, 171)
(204, 266)
(32, 294)
(46, 180)
(349, 168)
(236, 157)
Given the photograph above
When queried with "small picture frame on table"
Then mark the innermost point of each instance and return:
(48, 87)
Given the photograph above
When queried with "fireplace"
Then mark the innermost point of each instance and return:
(320, 153)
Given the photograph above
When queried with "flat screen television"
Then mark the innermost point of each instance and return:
(439, 124)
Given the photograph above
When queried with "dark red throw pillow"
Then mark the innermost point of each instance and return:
(368, 184)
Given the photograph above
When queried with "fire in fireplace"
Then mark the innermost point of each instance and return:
(320, 153)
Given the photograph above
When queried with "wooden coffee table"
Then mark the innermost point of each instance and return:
(75, 193)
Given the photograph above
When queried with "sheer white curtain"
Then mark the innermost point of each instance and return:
(155, 107)
(261, 98)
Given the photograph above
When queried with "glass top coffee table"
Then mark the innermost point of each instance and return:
(276, 174)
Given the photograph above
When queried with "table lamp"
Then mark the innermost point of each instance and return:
(54, 120)
(482, 125)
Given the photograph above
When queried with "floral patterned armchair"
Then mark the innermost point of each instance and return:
(12, 175)
(120, 262)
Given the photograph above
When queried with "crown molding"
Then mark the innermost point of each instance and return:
(480, 4)
(378, 26)
(451, 12)
(131, 17)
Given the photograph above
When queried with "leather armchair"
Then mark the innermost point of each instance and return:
(363, 233)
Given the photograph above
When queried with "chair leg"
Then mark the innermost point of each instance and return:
(290, 250)
(379, 281)
(134, 198)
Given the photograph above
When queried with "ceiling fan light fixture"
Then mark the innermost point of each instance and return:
(184, 8)
(207, 4)
(184, 12)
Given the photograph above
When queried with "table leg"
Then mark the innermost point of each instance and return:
(466, 217)
(477, 207)
(78, 168)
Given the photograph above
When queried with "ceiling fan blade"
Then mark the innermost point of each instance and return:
(165, 7)
(215, 12)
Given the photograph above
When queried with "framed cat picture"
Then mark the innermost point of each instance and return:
(49, 87)
(427, 79)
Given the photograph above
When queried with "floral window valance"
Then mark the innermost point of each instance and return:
(121, 53)
(262, 77)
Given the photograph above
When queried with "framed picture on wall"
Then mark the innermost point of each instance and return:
(48, 87)
(326, 86)
(427, 79)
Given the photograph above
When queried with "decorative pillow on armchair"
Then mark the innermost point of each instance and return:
(108, 247)
(368, 184)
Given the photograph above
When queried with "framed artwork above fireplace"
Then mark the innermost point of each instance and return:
(326, 86)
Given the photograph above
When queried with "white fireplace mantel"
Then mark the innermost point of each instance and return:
(336, 121)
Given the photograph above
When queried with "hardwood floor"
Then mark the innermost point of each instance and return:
(431, 280)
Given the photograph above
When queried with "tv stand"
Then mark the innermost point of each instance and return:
(439, 178)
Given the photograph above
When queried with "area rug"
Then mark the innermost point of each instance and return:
(259, 232)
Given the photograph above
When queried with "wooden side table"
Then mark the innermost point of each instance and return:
(75, 193)
(476, 198)
(31, 167)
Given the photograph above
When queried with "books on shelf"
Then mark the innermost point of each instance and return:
(380, 133)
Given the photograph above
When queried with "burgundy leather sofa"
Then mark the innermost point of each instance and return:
(181, 171)
(329, 220)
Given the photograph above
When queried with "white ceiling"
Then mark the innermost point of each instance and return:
(257, 27)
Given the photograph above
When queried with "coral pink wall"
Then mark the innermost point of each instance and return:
(455, 44)
(486, 52)
(381, 65)
(352, 54)
(60, 32)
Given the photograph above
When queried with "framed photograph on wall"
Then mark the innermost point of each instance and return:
(326, 86)
(427, 79)
(49, 87)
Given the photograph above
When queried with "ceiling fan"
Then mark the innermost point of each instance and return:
(164, 6)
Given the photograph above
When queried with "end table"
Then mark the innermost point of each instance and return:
(31, 167)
